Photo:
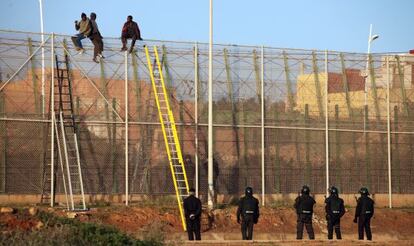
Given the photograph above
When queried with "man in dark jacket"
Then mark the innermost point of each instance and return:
(96, 39)
(363, 214)
(304, 208)
(248, 210)
(192, 210)
(130, 30)
(334, 207)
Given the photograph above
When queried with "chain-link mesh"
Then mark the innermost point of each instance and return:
(296, 117)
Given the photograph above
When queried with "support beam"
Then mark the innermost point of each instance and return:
(34, 78)
(166, 70)
(233, 104)
(257, 75)
(402, 88)
(104, 89)
(374, 88)
(346, 87)
(318, 90)
(350, 112)
(290, 99)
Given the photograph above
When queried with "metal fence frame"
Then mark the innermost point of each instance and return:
(324, 128)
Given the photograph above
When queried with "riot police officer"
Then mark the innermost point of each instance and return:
(248, 210)
(334, 207)
(363, 214)
(304, 208)
(192, 210)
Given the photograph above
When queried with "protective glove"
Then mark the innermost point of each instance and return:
(355, 220)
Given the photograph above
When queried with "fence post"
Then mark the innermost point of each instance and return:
(126, 130)
(52, 125)
(196, 81)
(3, 138)
(396, 154)
(338, 163)
(367, 148)
(114, 150)
(308, 169)
(262, 125)
(389, 135)
(326, 121)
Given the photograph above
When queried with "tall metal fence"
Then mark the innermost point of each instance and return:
(345, 117)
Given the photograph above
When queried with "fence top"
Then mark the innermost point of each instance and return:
(215, 44)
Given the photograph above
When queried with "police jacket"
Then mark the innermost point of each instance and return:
(192, 205)
(334, 206)
(304, 204)
(365, 207)
(248, 205)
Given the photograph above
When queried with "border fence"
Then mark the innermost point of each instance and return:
(322, 115)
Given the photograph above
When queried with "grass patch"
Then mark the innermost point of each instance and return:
(64, 231)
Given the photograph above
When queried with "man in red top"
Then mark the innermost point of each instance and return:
(130, 30)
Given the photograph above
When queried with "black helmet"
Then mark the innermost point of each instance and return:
(333, 190)
(364, 191)
(249, 191)
(305, 190)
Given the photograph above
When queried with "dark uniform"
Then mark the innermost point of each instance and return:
(248, 210)
(363, 214)
(335, 209)
(192, 209)
(304, 209)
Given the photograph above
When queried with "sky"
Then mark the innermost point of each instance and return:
(305, 24)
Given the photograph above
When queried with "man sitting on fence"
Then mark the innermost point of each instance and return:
(130, 30)
(84, 28)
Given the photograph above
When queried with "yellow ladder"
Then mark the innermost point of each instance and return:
(172, 143)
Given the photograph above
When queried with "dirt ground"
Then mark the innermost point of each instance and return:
(276, 225)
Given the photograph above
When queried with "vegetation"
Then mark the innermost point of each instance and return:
(63, 231)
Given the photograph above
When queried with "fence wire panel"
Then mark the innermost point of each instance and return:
(307, 94)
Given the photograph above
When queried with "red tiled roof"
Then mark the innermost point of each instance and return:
(355, 81)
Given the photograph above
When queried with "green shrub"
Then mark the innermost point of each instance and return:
(64, 231)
